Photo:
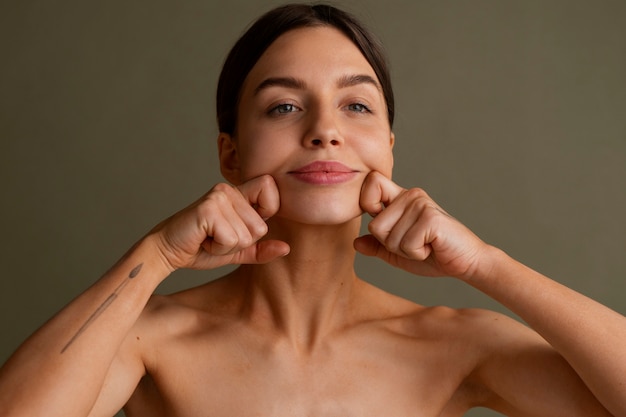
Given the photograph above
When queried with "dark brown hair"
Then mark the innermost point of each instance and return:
(249, 48)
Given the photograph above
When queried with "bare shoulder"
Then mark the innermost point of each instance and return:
(473, 340)
(451, 346)
(507, 366)
(184, 315)
(469, 324)
(215, 297)
(463, 338)
(481, 337)
(518, 372)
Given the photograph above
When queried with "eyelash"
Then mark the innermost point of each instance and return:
(364, 108)
(279, 109)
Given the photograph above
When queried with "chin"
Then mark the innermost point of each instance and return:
(326, 205)
(319, 214)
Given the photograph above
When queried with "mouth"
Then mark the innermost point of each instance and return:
(324, 166)
(324, 173)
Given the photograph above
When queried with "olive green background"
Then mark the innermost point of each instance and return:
(511, 114)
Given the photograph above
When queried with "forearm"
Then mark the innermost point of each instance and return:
(61, 367)
(590, 336)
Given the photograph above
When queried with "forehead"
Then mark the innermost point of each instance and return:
(315, 53)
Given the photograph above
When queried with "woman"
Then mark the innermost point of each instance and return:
(305, 111)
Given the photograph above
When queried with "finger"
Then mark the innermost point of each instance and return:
(259, 253)
(407, 224)
(416, 242)
(233, 230)
(228, 221)
(263, 252)
(368, 245)
(391, 228)
(378, 192)
(262, 193)
(405, 227)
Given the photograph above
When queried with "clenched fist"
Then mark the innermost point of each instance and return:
(410, 231)
(223, 227)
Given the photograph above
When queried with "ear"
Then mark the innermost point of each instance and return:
(229, 158)
(392, 141)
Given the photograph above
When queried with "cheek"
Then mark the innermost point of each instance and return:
(261, 156)
(378, 156)
(386, 163)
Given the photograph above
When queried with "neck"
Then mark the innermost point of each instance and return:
(309, 292)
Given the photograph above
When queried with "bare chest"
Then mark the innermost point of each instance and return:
(361, 381)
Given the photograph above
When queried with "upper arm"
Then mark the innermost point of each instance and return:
(527, 377)
(122, 378)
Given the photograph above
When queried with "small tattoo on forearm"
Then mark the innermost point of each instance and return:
(105, 304)
(135, 271)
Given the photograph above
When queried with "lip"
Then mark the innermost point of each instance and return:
(324, 173)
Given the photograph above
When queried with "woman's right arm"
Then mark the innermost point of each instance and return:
(62, 368)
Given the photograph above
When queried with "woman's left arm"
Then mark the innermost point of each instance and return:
(410, 231)
(590, 336)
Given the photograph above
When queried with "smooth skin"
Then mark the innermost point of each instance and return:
(293, 331)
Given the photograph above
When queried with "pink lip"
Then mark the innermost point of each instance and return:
(324, 172)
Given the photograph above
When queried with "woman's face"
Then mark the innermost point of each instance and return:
(312, 115)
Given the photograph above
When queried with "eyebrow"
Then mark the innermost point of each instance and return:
(298, 84)
(356, 79)
(288, 82)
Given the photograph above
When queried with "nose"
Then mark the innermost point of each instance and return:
(323, 129)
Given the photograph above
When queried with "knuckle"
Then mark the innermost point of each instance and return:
(374, 228)
(244, 241)
(222, 187)
(266, 180)
(215, 198)
(434, 213)
(219, 194)
(409, 249)
(416, 193)
(228, 241)
(417, 253)
(209, 206)
(259, 229)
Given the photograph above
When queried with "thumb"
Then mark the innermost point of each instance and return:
(262, 252)
(378, 192)
(367, 245)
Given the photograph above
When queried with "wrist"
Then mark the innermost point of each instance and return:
(147, 252)
(487, 266)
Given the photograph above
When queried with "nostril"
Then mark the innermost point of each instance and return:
(334, 142)
(316, 142)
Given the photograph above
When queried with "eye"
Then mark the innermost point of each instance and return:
(358, 108)
(284, 108)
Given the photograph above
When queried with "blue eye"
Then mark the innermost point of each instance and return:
(284, 108)
(358, 108)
